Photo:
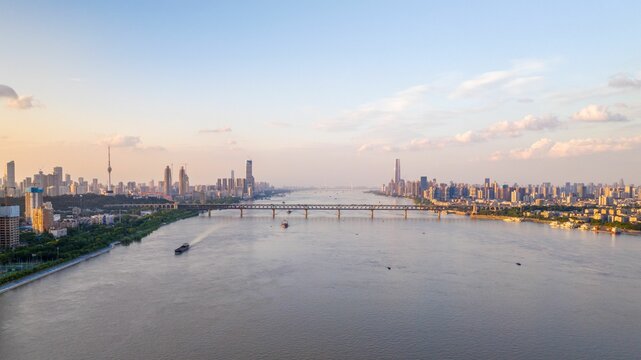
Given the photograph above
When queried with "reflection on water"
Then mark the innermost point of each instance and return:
(322, 289)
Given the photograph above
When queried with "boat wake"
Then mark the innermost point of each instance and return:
(204, 234)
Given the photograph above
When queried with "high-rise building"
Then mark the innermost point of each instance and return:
(42, 218)
(9, 226)
(397, 171)
(57, 176)
(32, 200)
(109, 188)
(167, 181)
(10, 175)
(423, 186)
(249, 179)
(183, 181)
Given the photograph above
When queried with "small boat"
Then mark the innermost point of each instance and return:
(289, 211)
(284, 224)
(615, 231)
(184, 247)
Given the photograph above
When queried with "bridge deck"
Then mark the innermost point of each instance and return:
(306, 207)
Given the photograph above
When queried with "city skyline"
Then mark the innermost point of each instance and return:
(456, 100)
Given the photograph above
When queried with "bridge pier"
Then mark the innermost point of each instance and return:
(209, 213)
(372, 214)
(305, 213)
(273, 213)
(439, 214)
(405, 213)
(241, 212)
(339, 214)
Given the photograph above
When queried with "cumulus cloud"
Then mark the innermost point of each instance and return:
(121, 141)
(497, 130)
(15, 101)
(509, 128)
(597, 113)
(387, 109)
(128, 142)
(515, 78)
(215, 131)
(624, 80)
(546, 148)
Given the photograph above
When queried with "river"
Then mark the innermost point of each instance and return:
(322, 289)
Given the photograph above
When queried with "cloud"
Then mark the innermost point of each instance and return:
(391, 108)
(497, 130)
(215, 131)
(15, 101)
(21, 102)
(122, 141)
(597, 113)
(279, 124)
(624, 80)
(509, 128)
(546, 148)
(515, 78)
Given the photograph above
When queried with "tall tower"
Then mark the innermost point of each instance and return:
(183, 181)
(10, 175)
(33, 200)
(397, 171)
(249, 178)
(57, 176)
(167, 181)
(109, 189)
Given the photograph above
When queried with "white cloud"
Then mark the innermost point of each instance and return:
(497, 130)
(218, 130)
(388, 109)
(279, 124)
(509, 129)
(121, 141)
(538, 148)
(546, 148)
(515, 78)
(625, 80)
(15, 101)
(597, 113)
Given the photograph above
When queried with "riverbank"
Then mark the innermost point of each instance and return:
(54, 269)
(84, 244)
(548, 222)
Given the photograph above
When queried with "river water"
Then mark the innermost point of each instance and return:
(322, 289)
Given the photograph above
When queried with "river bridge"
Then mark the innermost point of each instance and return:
(242, 207)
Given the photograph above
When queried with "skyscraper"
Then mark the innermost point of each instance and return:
(9, 223)
(249, 178)
(10, 175)
(32, 200)
(183, 181)
(397, 171)
(57, 173)
(42, 218)
(167, 181)
(109, 188)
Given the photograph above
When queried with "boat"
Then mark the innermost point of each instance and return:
(284, 224)
(184, 247)
(615, 231)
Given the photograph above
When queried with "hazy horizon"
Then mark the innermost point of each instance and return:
(323, 94)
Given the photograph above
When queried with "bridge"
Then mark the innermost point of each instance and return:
(242, 207)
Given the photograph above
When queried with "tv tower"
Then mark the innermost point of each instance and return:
(109, 190)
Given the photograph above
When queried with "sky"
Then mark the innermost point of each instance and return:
(323, 93)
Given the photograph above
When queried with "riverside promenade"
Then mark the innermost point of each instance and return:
(40, 274)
